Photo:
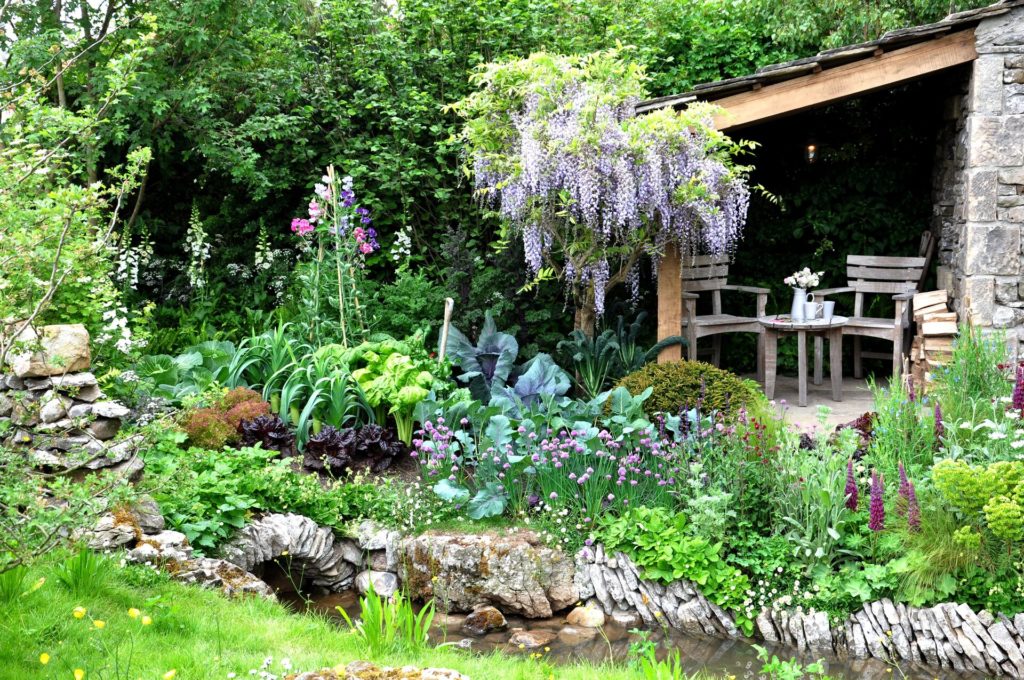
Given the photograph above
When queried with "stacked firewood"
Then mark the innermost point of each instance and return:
(932, 346)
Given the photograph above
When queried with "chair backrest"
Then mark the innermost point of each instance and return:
(704, 272)
(927, 251)
(879, 274)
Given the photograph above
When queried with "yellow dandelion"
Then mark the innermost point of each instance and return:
(78, 612)
(79, 674)
(44, 658)
(133, 613)
(146, 620)
(169, 675)
(99, 623)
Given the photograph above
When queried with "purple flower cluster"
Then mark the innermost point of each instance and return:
(572, 466)
(913, 509)
(851, 487)
(1017, 402)
(575, 155)
(940, 428)
(365, 236)
(904, 489)
(876, 522)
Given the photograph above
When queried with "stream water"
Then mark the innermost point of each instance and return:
(612, 643)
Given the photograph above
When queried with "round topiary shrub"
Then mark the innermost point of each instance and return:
(680, 384)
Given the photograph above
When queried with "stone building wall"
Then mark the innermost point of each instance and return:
(983, 177)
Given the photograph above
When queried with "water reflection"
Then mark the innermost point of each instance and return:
(566, 644)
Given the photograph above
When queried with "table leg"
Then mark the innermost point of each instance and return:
(771, 344)
(835, 360)
(801, 358)
(818, 342)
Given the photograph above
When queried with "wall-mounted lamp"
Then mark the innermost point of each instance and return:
(811, 152)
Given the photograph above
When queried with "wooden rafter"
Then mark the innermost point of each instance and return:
(842, 82)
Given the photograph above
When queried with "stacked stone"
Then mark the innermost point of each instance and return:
(981, 183)
(613, 583)
(55, 405)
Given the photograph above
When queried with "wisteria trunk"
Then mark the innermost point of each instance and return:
(586, 313)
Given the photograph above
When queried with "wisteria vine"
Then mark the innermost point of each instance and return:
(557, 149)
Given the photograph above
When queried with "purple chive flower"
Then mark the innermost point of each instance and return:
(1018, 390)
(877, 519)
(851, 487)
(940, 429)
(913, 510)
(904, 490)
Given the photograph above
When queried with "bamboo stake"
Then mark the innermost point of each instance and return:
(449, 306)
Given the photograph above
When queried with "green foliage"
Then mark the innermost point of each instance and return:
(793, 669)
(392, 624)
(85, 573)
(12, 584)
(990, 497)
(208, 494)
(901, 430)
(411, 304)
(660, 544)
(973, 374)
(691, 384)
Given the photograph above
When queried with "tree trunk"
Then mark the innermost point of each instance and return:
(586, 314)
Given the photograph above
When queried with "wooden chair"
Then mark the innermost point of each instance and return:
(900, 277)
(710, 273)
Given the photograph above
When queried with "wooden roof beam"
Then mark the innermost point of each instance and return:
(848, 80)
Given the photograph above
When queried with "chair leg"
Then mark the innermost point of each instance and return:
(858, 367)
(716, 350)
(691, 343)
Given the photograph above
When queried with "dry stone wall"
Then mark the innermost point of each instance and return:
(979, 187)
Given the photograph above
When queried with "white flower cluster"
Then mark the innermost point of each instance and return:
(131, 260)
(117, 331)
(198, 250)
(402, 248)
(804, 278)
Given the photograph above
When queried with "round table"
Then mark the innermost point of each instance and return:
(831, 329)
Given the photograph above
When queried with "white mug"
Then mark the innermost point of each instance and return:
(812, 311)
(828, 309)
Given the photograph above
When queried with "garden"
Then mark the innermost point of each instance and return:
(328, 350)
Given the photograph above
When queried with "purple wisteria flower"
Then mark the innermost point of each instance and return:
(574, 153)
(876, 522)
(851, 487)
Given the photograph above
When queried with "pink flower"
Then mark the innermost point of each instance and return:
(315, 211)
(365, 248)
(360, 234)
(301, 226)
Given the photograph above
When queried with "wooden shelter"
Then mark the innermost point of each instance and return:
(990, 38)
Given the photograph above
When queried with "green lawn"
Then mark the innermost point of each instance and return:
(199, 634)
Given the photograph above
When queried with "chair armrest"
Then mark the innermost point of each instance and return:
(903, 296)
(825, 292)
(747, 289)
(690, 296)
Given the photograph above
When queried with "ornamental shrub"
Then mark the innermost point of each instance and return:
(689, 384)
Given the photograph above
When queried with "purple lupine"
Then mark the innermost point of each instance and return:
(851, 487)
(904, 490)
(877, 520)
(1018, 390)
(911, 392)
(940, 429)
(913, 510)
